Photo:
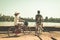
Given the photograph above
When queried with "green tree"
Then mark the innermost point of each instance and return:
(46, 19)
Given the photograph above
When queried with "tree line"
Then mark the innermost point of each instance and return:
(51, 19)
(6, 18)
(11, 18)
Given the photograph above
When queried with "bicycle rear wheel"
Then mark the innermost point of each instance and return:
(11, 31)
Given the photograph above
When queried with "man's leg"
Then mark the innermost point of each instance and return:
(16, 30)
(40, 29)
(36, 30)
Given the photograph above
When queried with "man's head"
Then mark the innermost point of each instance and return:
(16, 14)
(38, 12)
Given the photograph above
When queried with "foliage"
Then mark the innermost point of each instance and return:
(6, 18)
(51, 19)
(11, 18)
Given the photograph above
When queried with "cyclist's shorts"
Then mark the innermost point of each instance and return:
(38, 23)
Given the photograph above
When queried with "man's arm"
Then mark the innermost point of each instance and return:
(36, 18)
(21, 20)
(42, 21)
(42, 18)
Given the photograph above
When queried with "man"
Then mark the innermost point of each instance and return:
(17, 23)
(16, 19)
(38, 19)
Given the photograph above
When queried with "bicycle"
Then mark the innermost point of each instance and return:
(21, 29)
(26, 29)
(14, 30)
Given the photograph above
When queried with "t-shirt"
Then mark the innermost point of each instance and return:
(16, 20)
(38, 18)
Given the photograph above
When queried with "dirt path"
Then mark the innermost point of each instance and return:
(43, 36)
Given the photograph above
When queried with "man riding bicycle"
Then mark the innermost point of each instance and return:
(38, 19)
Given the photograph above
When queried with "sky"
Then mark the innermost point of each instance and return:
(28, 8)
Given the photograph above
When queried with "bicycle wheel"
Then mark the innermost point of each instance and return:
(26, 30)
(10, 31)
